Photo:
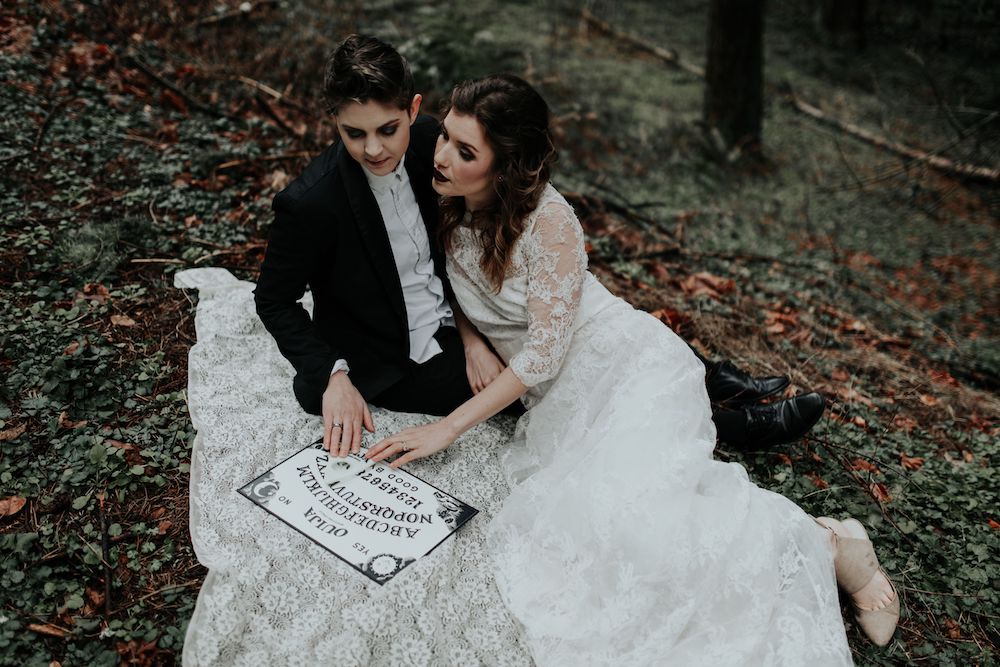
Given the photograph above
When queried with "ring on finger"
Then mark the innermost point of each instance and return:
(336, 425)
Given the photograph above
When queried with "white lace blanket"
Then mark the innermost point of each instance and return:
(272, 596)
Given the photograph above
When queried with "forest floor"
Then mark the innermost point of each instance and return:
(145, 138)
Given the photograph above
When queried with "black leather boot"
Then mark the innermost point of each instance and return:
(772, 424)
(728, 384)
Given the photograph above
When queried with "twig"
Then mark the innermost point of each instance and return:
(934, 160)
(152, 213)
(193, 103)
(165, 589)
(96, 553)
(229, 251)
(268, 90)
(262, 103)
(243, 10)
(265, 158)
(49, 117)
(156, 260)
(948, 595)
(105, 551)
(666, 56)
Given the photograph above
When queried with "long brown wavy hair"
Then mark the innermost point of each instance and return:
(515, 120)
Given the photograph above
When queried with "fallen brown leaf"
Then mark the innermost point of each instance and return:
(171, 99)
(46, 629)
(66, 422)
(13, 432)
(818, 481)
(704, 283)
(775, 328)
(911, 462)
(672, 318)
(854, 326)
(279, 179)
(165, 525)
(943, 377)
(904, 423)
(928, 400)
(71, 348)
(993, 524)
(122, 321)
(864, 465)
(96, 292)
(852, 395)
(879, 492)
(95, 596)
(11, 505)
(132, 454)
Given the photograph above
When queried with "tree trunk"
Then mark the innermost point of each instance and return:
(734, 98)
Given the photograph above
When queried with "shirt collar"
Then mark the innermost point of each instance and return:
(382, 184)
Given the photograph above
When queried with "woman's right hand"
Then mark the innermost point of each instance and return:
(345, 412)
(482, 366)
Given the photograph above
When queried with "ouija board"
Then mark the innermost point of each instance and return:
(375, 518)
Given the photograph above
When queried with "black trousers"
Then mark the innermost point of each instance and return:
(435, 387)
(439, 385)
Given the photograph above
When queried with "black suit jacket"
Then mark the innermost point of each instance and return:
(328, 236)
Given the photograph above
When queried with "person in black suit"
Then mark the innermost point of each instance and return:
(358, 229)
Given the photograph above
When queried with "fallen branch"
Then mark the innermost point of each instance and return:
(49, 117)
(932, 159)
(278, 120)
(264, 158)
(667, 56)
(268, 90)
(191, 102)
(243, 10)
(156, 260)
(938, 162)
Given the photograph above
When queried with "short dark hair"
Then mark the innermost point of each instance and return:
(364, 68)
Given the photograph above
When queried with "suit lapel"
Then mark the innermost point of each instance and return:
(427, 199)
(373, 234)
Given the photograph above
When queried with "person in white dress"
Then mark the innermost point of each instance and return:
(622, 541)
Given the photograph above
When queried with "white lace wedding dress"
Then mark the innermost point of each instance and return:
(622, 541)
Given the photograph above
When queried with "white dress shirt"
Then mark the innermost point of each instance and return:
(423, 294)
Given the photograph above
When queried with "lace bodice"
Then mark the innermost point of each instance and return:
(547, 295)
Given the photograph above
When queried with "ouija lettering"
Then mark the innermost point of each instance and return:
(353, 509)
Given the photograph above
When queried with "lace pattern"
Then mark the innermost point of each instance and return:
(623, 542)
(555, 264)
(273, 597)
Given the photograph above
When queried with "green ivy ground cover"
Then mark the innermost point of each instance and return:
(113, 178)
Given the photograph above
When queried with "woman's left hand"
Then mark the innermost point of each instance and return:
(414, 443)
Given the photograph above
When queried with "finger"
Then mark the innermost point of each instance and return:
(411, 455)
(391, 450)
(335, 433)
(344, 445)
(356, 441)
(376, 448)
(327, 427)
(369, 422)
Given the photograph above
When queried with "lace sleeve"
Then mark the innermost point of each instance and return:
(556, 264)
